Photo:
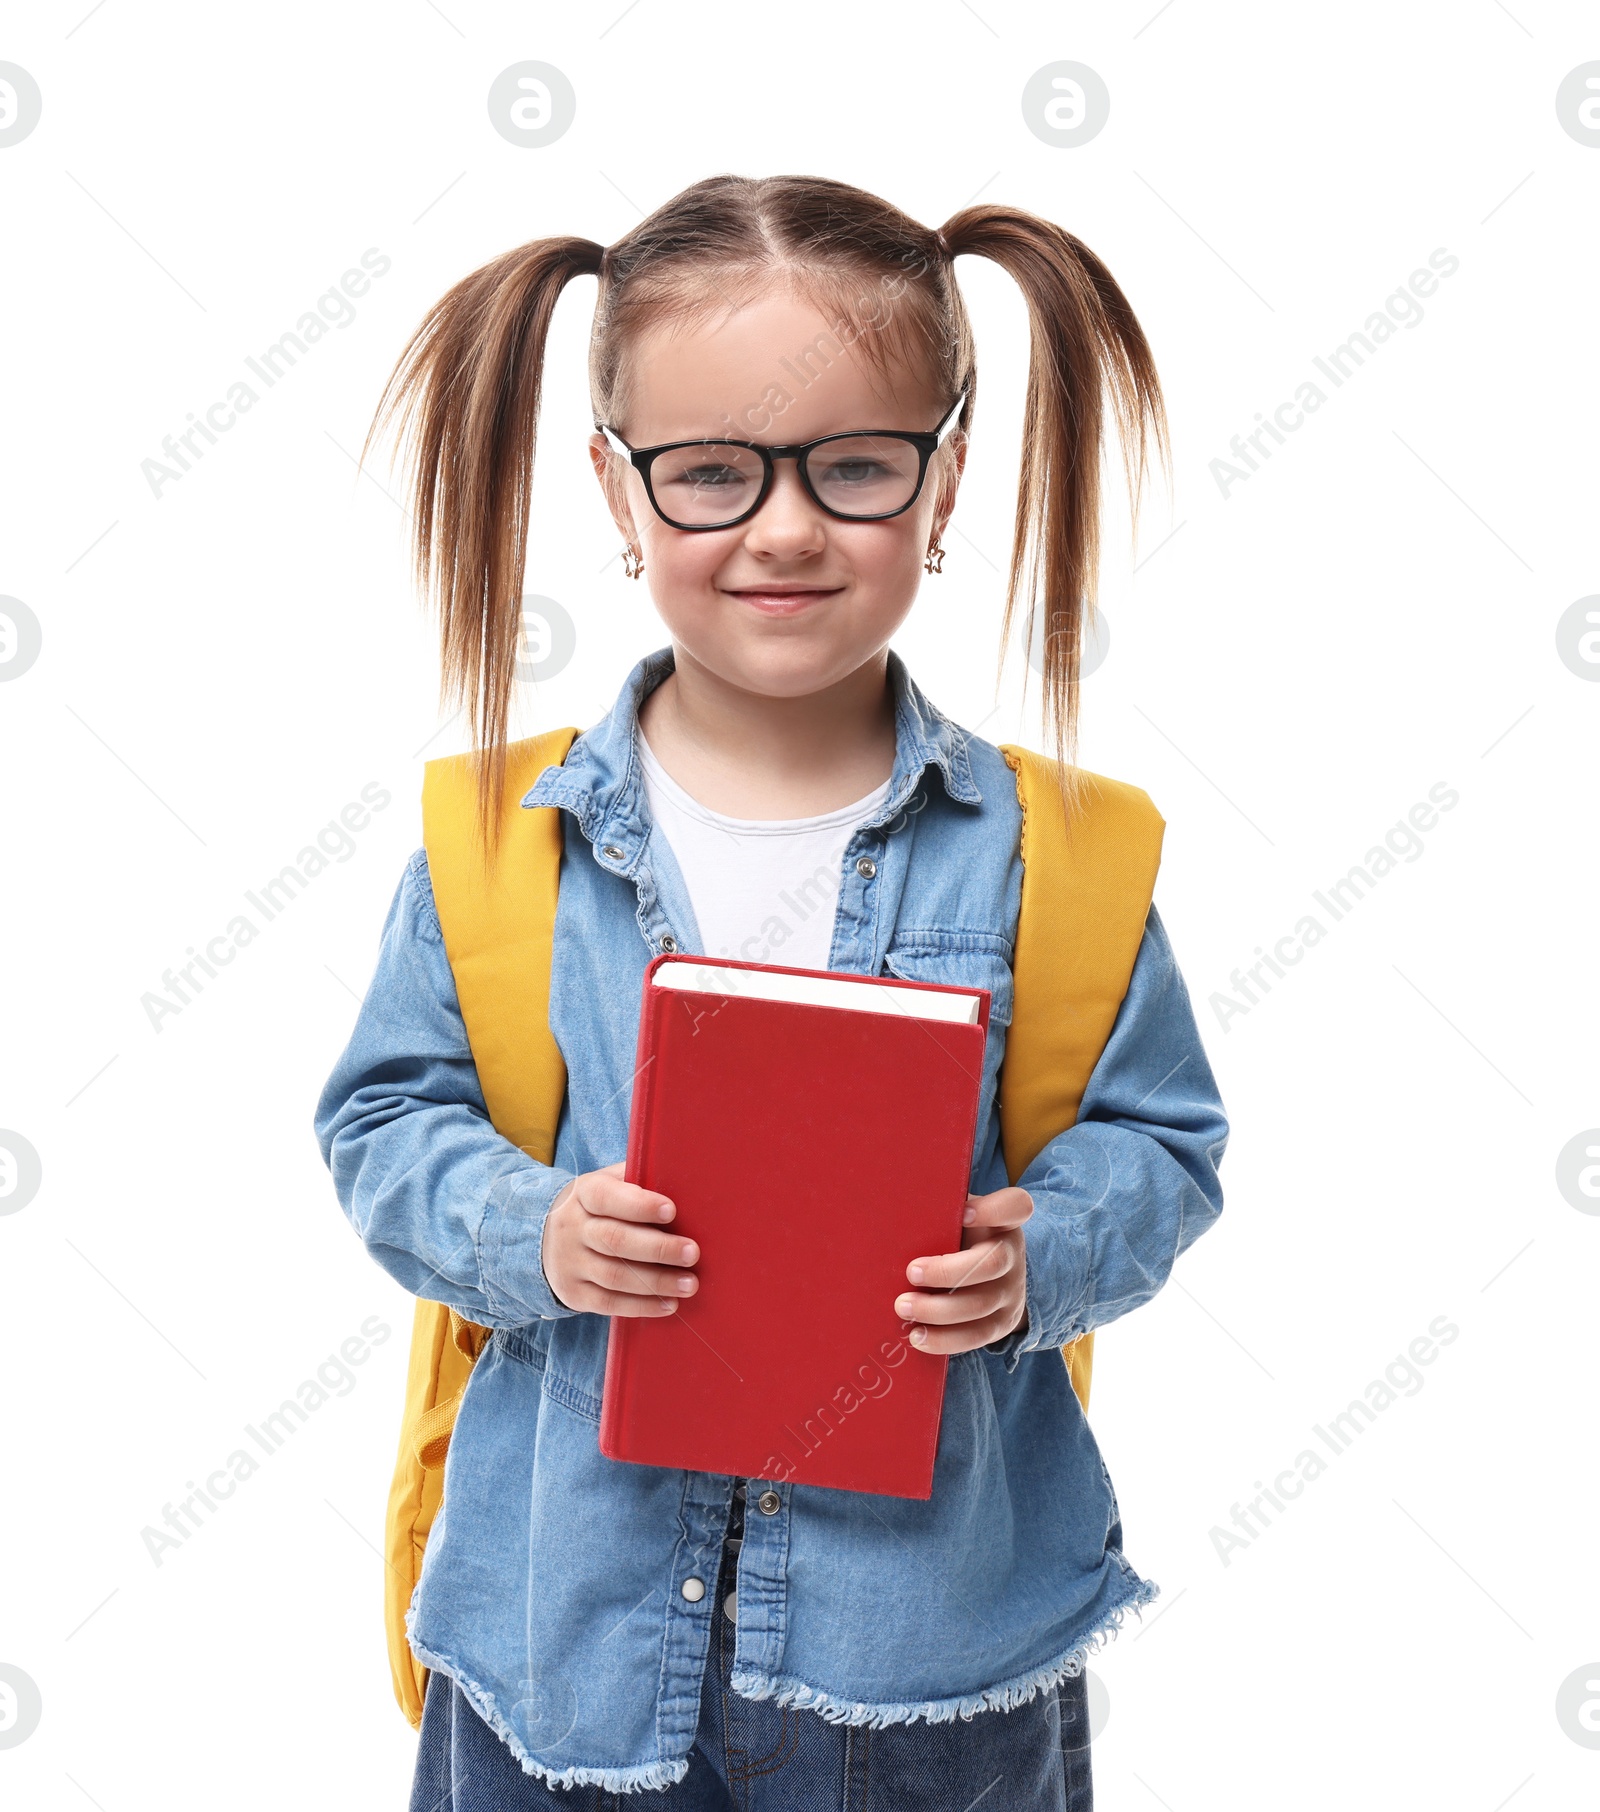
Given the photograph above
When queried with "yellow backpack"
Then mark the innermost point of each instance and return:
(1084, 904)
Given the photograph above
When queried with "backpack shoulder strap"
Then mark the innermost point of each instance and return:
(498, 928)
(1086, 893)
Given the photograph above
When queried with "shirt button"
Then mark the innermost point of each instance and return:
(612, 851)
(866, 867)
(730, 1607)
(693, 1589)
(769, 1503)
(669, 943)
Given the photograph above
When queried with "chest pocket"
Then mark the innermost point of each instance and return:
(956, 959)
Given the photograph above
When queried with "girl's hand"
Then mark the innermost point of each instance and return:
(604, 1248)
(978, 1294)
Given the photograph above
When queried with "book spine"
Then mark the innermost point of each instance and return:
(644, 1074)
(613, 1391)
(977, 1041)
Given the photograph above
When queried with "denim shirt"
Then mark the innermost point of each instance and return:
(571, 1595)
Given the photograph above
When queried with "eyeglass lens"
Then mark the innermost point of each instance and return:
(715, 481)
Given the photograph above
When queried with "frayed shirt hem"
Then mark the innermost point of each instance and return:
(786, 1690)
(646, 1775)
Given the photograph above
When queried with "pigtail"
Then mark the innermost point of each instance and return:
(1085, 344)
(466, 392)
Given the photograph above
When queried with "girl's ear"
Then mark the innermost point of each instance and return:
(956, 445)
(608, 468)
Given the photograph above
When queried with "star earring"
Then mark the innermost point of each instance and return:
(935, 560)
(632, 561)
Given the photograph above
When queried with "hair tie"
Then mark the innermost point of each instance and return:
(604, 269)
(944, 244)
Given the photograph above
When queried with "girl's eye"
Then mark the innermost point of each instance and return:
(855, 472)
(708, 477)
(708, 469)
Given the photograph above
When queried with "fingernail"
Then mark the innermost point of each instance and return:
(915, 1273)
(687, 1257)
(919, 1335)
(902, 1305)
(969, 1216)
(685, 1285)
(666, 1211)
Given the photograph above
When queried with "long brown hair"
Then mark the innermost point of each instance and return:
(466, 392)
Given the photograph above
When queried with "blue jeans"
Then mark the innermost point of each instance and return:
(753, 1756)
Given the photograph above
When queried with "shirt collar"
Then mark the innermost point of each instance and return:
(600, 782)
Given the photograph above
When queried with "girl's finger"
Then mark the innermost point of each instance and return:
(596, 1301)
(961, 1305)
(1004, 1208)
(641, 1245)
(639, 1280)
(604, 1192)
(954, 1270)
(963, 1339)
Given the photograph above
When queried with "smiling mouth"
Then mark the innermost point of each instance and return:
(783, 594)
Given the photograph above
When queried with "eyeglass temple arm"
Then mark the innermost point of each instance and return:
(949, 421)
(616, 443)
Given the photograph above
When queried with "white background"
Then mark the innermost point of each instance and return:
(1293, 665)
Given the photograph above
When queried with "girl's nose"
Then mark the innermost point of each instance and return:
(788, 522)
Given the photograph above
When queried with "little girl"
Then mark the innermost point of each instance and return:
(783, 379)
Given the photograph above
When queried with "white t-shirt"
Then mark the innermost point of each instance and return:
(763, 890)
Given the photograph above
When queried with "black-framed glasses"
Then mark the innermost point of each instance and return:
(863, 476)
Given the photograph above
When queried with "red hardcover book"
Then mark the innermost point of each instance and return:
(814, 1145)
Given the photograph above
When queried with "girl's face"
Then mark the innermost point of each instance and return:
(792, 600)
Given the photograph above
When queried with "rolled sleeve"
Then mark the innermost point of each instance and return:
(449, 1207)
(1134, 1181)
(510, 1244)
